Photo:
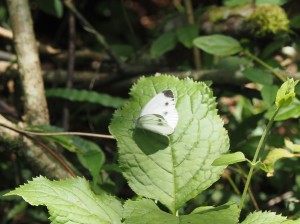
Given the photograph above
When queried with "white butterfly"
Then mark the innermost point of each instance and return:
(159, 115)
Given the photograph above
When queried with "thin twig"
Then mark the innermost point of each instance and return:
(71, 65)
(88, 27)
(57, 133)
(191, 20)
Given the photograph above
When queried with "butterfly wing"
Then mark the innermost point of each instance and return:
(154, 123)
(163, 104)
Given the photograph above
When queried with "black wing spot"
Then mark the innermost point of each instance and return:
(166, 103)
(168, 93)
(165, 113)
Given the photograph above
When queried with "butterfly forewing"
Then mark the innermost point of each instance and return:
(159, 115)
(163, 104)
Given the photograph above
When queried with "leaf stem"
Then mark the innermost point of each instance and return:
(258, 149)
(280, 76)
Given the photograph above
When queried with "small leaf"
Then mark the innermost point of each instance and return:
(273, 156)
(291, 111)
(145, 211)
(223, 214)
(295, 22)
(290, 145)
(262, 166)
(163, 44)
(286, 93)
(52, 7)
(90, 154)
(268, 94)
(187, 34)
(218, 44)
(228, 159)
(71, 201)
(258, 76)
(86, 96)
(263, 218)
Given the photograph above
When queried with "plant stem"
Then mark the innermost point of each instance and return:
(258, 149)
(191, 20)
(280, 76)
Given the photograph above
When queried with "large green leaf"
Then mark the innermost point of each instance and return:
(86, 96)
(218, 44)
(71, 201)
(163, 44)
(145, 211)
(177, 171)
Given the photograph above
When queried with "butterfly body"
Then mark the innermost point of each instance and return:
(159, 115)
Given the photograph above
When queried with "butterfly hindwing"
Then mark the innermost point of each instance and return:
(154, 123)
(159, 115)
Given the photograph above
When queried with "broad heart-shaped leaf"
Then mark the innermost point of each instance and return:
(71, 201)
(264, 217)
(145, 211)
(218, 44)
(175, 172)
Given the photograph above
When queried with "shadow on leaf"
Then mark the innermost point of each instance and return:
(150, 142)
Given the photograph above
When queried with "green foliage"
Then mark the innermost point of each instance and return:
(187, 34)
(259, 2)
(218, 44)
(228, 159)
(145, 211)
(171, 169)
(52, 7)
(258, 76)
(286, 93)
(86, 96)
(71, 201)
(199, 138)
(269, 18)
(268, 93)
(273, 156)
(264, 217)
(90, 154)
(291, 111)
(163, 44)
(171, 175)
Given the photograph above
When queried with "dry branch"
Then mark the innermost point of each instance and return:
(36, 111)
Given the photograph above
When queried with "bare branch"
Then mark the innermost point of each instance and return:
(36, 111)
